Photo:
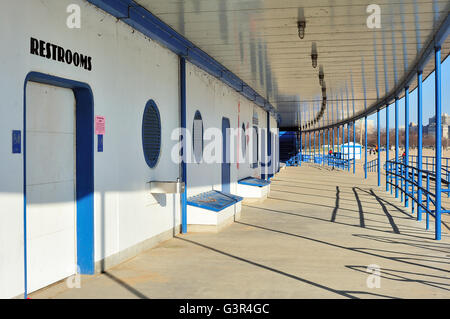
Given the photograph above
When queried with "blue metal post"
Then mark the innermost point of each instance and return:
(309, 146)
(314, 151)
(379, 148)
(365, 147)
(332, 145)
(337, 117)
(354, 150)
(396, 147)
(319, 145)
(328, 161)
(387, 144)
(406, 145)
(348, 140)
(332, 122)
(301, 148)
(184, 146)
(428, 203)
(269, 163)
(438, 142)
(323, 162)
(343, 130)
(419, 143)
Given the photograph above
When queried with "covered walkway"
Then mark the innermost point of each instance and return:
(314, 237)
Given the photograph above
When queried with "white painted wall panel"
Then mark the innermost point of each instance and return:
(50, 184)
(128, 70)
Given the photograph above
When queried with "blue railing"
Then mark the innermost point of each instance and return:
(410, 181)
(372, 166)
(429, 162)
(330, 160)
(341, 163)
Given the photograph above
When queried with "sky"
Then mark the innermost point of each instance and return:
(428, 101)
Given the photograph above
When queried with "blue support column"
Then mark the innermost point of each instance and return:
(319, 142)
(365, 147)
(438, 148)
(314, 151)
(337, 117)
(310, 144)
(348, 149)
(419, 143)
(338, 139)
(332, 122)
(379, 148)
(323, 161)
(183, 162)
(354, 148)
(343, 128)
(301, 149)
(332, 146)
(269, 163)
(387, 144)
(396, 147)
(328, 140)
(406, 145)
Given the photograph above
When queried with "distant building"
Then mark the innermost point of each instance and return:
(348, 149)
(413, 127)
(430, 129)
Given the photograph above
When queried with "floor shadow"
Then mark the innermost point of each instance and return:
(389, 240)
(360, 209)
(361, 250)
(317, 195)
(386, 212)
(297, 186)
(399, 275)
(134, 291)
(306, 281)
(400, 210)
(307, 203)
(413, 235)
(336, 205)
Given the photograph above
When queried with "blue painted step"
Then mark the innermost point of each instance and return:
(213, 200)
(252, 181)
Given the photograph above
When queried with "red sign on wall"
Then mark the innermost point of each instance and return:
(99, 125)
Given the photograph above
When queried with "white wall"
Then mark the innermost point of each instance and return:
(128, 70)
(216, 100)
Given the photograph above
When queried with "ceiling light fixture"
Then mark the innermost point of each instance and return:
(321, 76)
(314, 55)
(301, 29)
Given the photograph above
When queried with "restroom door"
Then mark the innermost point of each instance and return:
(50, 184)
(226, 166)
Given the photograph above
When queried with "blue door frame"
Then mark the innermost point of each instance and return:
(84, 168)
(225, 156)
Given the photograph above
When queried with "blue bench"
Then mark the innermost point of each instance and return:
(213, 200)
(252, 188)
(252, 181)
(211, 211)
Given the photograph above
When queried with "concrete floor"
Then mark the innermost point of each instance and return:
(313, 238)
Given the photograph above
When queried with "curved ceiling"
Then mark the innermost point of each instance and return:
(258, 41)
